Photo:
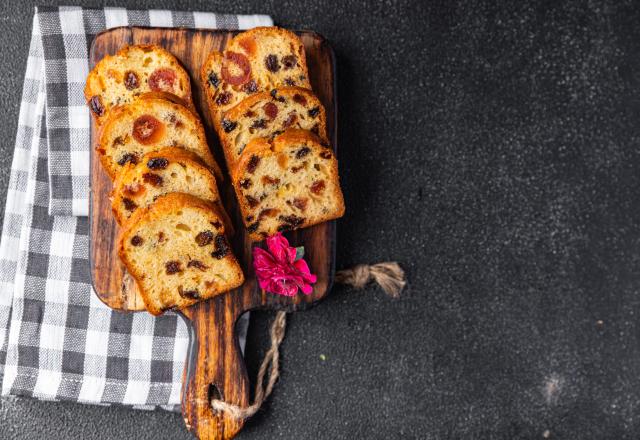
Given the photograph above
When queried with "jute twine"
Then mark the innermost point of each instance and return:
(389, 275)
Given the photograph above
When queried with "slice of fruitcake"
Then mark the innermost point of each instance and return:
(267, 114)
(287, 183)
(158, 173)
(177, 252)
(147, 124)
(254, 61)
(134, 70)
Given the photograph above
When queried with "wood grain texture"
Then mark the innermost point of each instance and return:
(214, 356)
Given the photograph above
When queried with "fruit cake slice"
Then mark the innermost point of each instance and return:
(267, 114)
(254, 61)
(149, 124)
(134, 70)
(287, 183)
(158, 173)
(177, 252)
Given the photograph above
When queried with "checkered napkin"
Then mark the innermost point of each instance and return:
(57, 340)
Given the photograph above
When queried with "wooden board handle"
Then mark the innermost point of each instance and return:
(214, 369)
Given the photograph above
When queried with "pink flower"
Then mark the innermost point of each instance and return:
(278, 271)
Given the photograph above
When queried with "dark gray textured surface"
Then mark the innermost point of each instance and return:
(495, 154)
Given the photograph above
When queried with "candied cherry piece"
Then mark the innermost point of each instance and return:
(147, 129)
(162, 80)
(241, 64)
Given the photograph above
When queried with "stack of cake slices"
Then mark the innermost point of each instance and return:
(152, 144)
(273, 132)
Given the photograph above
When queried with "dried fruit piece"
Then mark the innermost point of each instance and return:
(291, 119)
(213, 79)
(289, 82)
(269, 212)
(253, 202)
(152, 179)
(253, 227)
(317, 187)
(301, 204)
(300, 99)
(157, 163)
(136, 240)
(128, 158)
(162, 80)
(147, 129)
(314, 112)
(197, 264)
(173, 120)
(274, 95)
(246, 183)
(302, 152)
(129, 204)
(253, 164)
(326, 154)
(95, 103)
(228, 125)
(268, 180)
(271, 110)
(259, 123)
(223, 98)
(271, 61)
(204, 238)
(189, 294)
(293, 220)
(289, 61)
(172, 267)
(241, 62)
(250, 87)
(131, 80)
(222, 247)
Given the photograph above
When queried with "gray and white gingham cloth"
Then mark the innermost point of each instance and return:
(57, 340)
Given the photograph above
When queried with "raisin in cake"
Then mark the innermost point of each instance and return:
(177, 252)
(148, 124)
(158, 173)
(134, 70)
(267, 114)
(254, 61)
(287, 183)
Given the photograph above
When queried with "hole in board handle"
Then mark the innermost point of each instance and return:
(214, 393)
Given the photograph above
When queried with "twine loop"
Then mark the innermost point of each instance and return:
(389, 275)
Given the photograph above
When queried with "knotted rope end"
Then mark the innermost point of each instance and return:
(388, 275)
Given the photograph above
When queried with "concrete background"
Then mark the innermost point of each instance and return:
(493, 152)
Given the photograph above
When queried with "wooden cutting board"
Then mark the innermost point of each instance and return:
(214, 365)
